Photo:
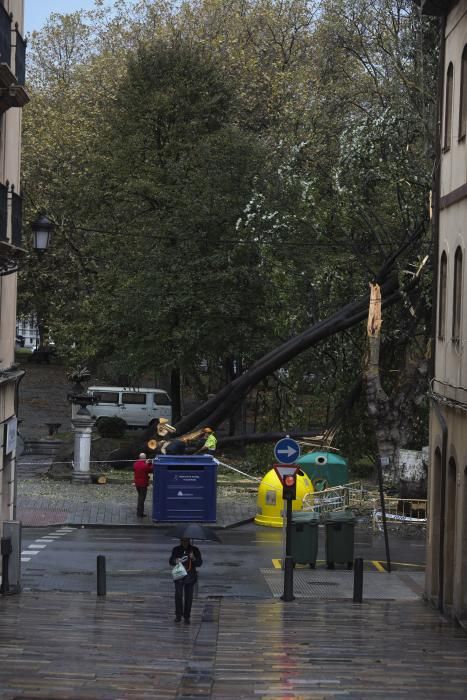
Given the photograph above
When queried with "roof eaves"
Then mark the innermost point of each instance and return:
(438, 8)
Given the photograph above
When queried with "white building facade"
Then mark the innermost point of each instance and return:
(27, 328)
(446, 573)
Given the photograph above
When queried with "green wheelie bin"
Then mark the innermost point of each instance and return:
(340, 526)
(305, 538)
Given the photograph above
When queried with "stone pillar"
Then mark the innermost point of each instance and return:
(82, 426)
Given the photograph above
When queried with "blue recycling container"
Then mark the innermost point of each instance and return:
(185, 488)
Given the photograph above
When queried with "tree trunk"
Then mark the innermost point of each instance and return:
(175, 391)
(219, 407)
(380, 408)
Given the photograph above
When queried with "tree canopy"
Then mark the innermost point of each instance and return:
(225, 176)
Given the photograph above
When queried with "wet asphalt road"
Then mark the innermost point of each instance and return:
(62, 558)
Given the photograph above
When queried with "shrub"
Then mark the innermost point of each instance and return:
(260, 458)
(111, 427)
(363, 469)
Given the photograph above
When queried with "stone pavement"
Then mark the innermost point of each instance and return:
(42, 501)
(63, 646)
(42, 511)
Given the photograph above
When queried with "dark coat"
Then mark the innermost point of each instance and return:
(179, 552)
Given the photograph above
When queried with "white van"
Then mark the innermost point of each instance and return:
(137, 407)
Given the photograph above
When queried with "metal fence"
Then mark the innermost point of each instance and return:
(350, 495)
(400, 511)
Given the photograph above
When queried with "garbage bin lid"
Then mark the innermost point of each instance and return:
(185, 461)
(305, 516)
(340, 516)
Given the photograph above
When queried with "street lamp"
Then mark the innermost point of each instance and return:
(42, 229)
(13, 257)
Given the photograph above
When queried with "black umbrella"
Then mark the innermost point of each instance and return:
(194, 531)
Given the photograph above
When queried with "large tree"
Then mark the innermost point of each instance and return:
(246, 171)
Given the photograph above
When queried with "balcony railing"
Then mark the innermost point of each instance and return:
(20, 59)
(3, 212)
(5, 36)
(12, 77)
(16, 219)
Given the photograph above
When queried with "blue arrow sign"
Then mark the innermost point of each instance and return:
(287, 451)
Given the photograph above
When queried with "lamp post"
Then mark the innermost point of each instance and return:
(12, 257)
(42, 229)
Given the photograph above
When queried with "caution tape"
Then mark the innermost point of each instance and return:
(49, 463)
(234, 469)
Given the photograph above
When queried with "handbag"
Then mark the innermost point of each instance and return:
(178, 571)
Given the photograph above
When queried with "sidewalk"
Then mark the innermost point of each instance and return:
(45, 502)
(41, 511)
(62, 646)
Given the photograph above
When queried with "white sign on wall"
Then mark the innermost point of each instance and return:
(11, 432)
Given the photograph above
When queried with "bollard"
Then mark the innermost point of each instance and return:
(5, 550)
(101, 580)
(288, 580)
(358, 580)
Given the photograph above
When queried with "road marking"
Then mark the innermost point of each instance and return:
(112, 539)
(132, 571)
(379, 567)
(277, 564)
(42, 542)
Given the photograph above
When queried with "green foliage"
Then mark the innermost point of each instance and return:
(362, 469)
(223, 176)
(111, 427)
(259, 458)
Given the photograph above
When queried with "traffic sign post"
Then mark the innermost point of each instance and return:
(287, 451)
(288, 478)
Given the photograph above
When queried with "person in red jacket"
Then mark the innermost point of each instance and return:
(142, 469)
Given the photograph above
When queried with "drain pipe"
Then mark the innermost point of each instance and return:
(442, 509)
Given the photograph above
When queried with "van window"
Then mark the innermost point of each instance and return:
(162, 399)
(107, 396)
(134, 398)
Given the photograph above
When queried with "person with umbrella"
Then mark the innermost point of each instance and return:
(190, 556)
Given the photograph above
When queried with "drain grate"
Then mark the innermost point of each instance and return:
(330, 585)
(303, 586)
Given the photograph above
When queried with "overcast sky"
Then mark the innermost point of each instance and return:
(37, 11)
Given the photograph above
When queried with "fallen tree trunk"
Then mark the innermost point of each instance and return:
(214, 411)
(218, 408)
